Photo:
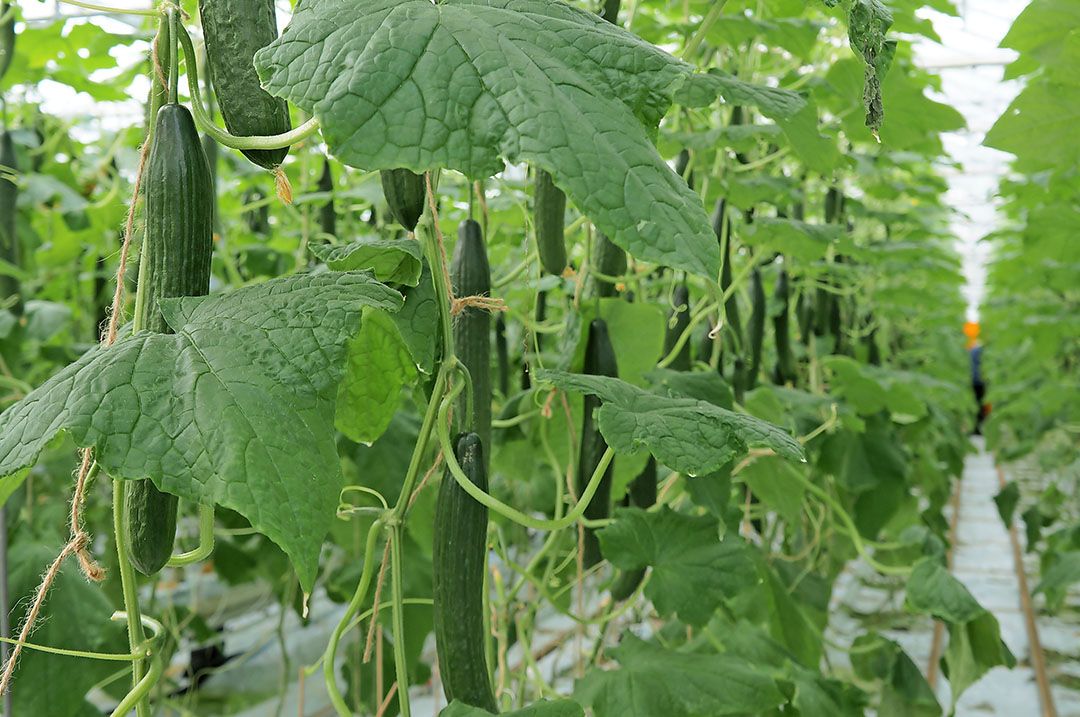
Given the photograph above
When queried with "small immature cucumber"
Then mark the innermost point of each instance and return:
(549, 214)
(678, 322)
(756, 327)
(7, 38)
(470, 275)
(609, 260)
(785, 361)
(458, 565)
(599, 361)
(177, 253)
(234, 30)
(502, 356)
(405, 194)
(10, 250)
(327, 212)
(642, 494)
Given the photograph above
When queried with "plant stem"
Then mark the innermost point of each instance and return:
(398, 618)
(136, 637)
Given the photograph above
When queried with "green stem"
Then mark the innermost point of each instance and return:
(136, 697)
(206, 123)
(703, 29)
(136, 637)
(206, 540)
(149, 12)
(174, 56)
(427, 233)
(497, 505)
(398, 619)
(330, 655)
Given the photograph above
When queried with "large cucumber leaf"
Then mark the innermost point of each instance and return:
(466, 84)
(235, 409)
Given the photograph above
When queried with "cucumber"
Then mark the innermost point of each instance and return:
(785, 362)
(257, 218)
(682, 162)
(177, 253)
(327, 212)
(599, 361)
(731, 306)
(470, 275)
(549, 214)
(834, 205)
(609, 260)
(756, 328)
(7, 38)
(502, 356)
(210, 149)
(804, 312)
(539, 316)
(611, 11)
(405, 194)
(873, 351)
(642, 494)
(233, 31)
(10, 250)
(458, 565)
(678, 322)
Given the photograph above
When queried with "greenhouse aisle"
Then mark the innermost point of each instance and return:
(984, 562)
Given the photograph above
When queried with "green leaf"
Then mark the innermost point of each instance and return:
(863, 461)
(776, 483)
(465, 84)
(235, 409)
(818, 152)
(393, 260)
(1006, 501)
(543, 708)
(797, 239)
(868, 23)
(75, 617)
(653, 681)
(692, 569)
(418, 321)
(378, 367)
(708, 386)
(975, 643)
(905, 692)
(687, 435)
(773, 102)
(1063, 572)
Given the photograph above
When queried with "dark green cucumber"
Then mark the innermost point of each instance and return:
(10, 250)
(804, 312)
(756, 329)
(7, 38)
(733, 321)
(549, 214)
(470, 275)
(257, 218)
(327, 212)
(642, 494)
(177, 253)
(599, 361)
(677, 324)
(539, 316)
(682, 164)
(609, 260)
(405, 194)
(210, 149)
(611, 11)
(873, 351)
(834, 205)
(458, 565)
(502, 356)
(233, 31)
(785, 361)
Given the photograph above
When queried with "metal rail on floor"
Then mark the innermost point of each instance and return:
(1038, 659)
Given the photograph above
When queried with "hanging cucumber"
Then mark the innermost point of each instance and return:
(257, 218)
(458, 564)
(722, 229)
(677, 324)
(404, 192)
(642, 494)
(502, 356)
(233, 31)
(609, 260)
(756, 329)
(327, 212)
(10, 250)
(210, 149)
(7, 37)
(549, 213)
(177, 254)
(470, 275)
(599, 361)
(785, 362)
